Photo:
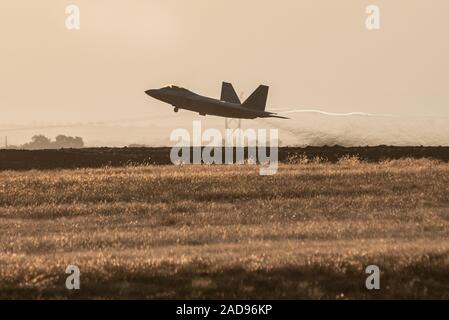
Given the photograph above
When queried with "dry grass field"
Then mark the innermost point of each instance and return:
(168, 232)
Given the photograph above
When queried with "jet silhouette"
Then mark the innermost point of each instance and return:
(229, 106)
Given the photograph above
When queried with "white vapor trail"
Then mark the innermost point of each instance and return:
(349, 114)
(317, 128)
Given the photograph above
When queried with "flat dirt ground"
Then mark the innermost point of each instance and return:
(226, 232)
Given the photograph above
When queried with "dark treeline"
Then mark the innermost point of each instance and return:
(39, 142)
(117, 157)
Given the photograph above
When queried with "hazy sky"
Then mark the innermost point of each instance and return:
(314, 54)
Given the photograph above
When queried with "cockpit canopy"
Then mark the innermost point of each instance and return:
(179, 89)
(171, 86)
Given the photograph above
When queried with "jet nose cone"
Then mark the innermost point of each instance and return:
(151, 92)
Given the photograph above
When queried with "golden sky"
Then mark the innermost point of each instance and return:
(314, 54)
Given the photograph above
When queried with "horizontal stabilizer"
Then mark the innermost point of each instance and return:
(276, 116)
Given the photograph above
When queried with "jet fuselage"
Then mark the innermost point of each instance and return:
(181, 98)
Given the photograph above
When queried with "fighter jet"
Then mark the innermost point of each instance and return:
(229, 105)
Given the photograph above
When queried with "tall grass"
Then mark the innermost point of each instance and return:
(226, 232)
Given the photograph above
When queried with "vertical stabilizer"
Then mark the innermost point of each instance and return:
(258, 100)
(228, 93)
